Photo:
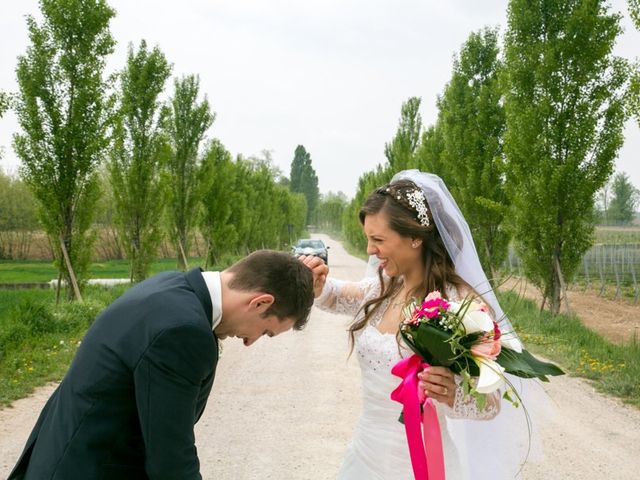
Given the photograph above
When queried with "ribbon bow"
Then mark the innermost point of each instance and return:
(426, 454)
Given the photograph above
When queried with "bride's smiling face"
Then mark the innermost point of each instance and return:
(396, 253)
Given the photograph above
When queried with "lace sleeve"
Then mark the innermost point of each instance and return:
(464, 406)
(343, 297)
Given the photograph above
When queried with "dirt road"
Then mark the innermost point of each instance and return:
(284, 409)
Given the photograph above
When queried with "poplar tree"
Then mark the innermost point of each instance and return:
(220, 200)
(62, 108)
(136, 157)
(625, 197)
(472, 123)
(304, 180)
(564, 112)
(188, 121)
(402, 148)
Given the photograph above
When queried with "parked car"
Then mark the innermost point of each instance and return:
(311, 246)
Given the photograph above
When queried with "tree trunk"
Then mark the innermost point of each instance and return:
(563, 286)
(72, 275)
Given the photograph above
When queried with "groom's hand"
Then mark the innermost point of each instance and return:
(319, 270)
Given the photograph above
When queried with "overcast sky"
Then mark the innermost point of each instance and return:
(330, 75)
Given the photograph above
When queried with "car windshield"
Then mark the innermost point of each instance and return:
(310, 244)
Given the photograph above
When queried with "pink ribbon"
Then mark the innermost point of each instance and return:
(426, 454)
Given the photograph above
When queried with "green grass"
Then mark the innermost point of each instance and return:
(617, 235)
(613, 369)
(43, 271)
(38, 339)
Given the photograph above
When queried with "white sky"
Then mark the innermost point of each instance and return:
(330, 75)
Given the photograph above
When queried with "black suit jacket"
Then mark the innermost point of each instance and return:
(137, 385)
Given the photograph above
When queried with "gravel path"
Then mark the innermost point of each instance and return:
(285, 407)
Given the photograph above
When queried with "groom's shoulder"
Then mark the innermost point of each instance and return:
(165, 295)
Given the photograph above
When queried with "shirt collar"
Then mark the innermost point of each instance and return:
(212, 280)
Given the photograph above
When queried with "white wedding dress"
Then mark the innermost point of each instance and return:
(378, 449)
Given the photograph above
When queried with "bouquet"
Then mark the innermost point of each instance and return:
(465, 338)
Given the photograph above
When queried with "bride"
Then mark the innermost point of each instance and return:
(416, 232)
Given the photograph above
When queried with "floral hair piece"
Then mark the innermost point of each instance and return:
(415, 198)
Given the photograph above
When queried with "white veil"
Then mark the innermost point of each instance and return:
(494, 449)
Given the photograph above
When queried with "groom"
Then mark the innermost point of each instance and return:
(140, 380)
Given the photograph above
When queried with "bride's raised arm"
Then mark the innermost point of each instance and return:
(339, 296)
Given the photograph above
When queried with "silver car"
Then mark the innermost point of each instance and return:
(311, 246)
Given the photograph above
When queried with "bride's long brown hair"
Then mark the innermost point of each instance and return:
(391, 200)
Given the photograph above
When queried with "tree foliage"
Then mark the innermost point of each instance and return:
(245, 206)
(471, 124)
(4, 103)
(330, 210)
(634, 87)
(137, 156)
(564, 113)
(429, 156)
(304, 180)
(402, 148)
(18, 218)
(401, 153)
(63, 112)
(187, 122)
(220, 200)
(624, 199)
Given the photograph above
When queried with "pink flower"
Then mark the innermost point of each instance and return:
(432, 305)
(486, 347)
(496, 331)
(414, 320)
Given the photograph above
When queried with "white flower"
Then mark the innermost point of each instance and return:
(454, 307)
(477, 321)
(509, 340)
(491, 375)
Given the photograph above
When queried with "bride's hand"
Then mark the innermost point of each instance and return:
(319, 270)
(439, 384)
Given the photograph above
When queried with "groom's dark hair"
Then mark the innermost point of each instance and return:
(278, 274)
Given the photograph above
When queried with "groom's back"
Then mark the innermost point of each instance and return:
(90, 427)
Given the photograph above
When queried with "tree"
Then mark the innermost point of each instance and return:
(304, 180)
(63, 111)
(219, 200)
(330, 210)
(367, 183)
(472, 123)
(602, 201)
(4, 103)
(401, 150)
(634, 87)
(564, 112)
(429, 156)
(18, 218)
(136, 157)
(188, 121)
(401, 154)
(625, 198)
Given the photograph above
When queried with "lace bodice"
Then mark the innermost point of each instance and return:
(378, 352)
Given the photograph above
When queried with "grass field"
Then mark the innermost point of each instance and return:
(38, 339)
(617, 235)
(43, 271)
(613, 369)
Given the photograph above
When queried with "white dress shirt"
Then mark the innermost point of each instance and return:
(214, 285)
